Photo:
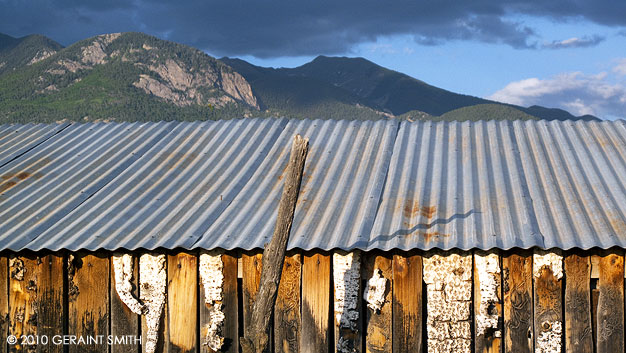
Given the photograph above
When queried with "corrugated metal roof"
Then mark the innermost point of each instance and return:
(173, 193)
(16, 140)
(367, 185)
(49, 181)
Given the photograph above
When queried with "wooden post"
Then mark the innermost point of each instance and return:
(517, 288)
(50, 301)
(88, 296)
(578, 329)
(182, 300)
(287, 310)
(379, 336)
(4, 302)
(256, 336)
(315, 304)
(123, 321)
(611, 303)
(407, 304)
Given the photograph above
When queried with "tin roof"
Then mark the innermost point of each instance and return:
(366, 185)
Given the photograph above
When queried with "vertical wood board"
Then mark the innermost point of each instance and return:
(611, 303)
(51, 301)
(316, 306)
(23, 282)
(578, 328)
(182, 301)
(517, 288)
(88, 297)
(379, 328)
(490, 341)
(407, 304)
(287, 323)
(123, 321)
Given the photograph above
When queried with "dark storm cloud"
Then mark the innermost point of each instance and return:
(267, 28)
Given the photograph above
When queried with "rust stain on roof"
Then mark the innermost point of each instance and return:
(10, 180)
(412, 208)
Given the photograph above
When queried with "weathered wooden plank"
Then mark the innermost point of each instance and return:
(548, 300)
(50, 301)
(23, 283)
(378, 270)
(315, 303)
(517, 288)
(252, 264)
(407, 304)
(123, 321)
(230, 308)
(488, 317)
(149, 288)
(4, 302)
(88, 307)
(347, 302)
(230, 305)
(182, 299)
(287, 324)
(578, 328)
(611, 303)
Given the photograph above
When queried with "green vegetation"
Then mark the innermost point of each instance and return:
(487, 112)
(19, 52)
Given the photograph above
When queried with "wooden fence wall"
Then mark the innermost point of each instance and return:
(424, 310)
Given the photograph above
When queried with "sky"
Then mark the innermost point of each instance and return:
(568, 54)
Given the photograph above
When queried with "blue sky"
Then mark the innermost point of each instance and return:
(569, 54)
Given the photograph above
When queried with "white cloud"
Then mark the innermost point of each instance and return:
(601, 94)
(620, 68)
(575, 42)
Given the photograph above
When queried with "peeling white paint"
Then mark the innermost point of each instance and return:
(449, 293)
(550, 341)
(548, 259)
(375, 291)
(153, 281)
(346, 270)
(212, 278)
(488, 272)
(123, 268)
(346, 276)
(17, 268)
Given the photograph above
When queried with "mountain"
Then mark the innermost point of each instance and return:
(302, 97)
(129, 76)
(329, 82)
(19, 52)
(137, 77)
(386, 89)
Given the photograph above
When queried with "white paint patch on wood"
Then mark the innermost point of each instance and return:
(449, 292)
(548, 259)
(123, 269)
(153, 281)
(212, 279)
(346, 276)
(488, 272)
(375, 291)
(550, 341)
